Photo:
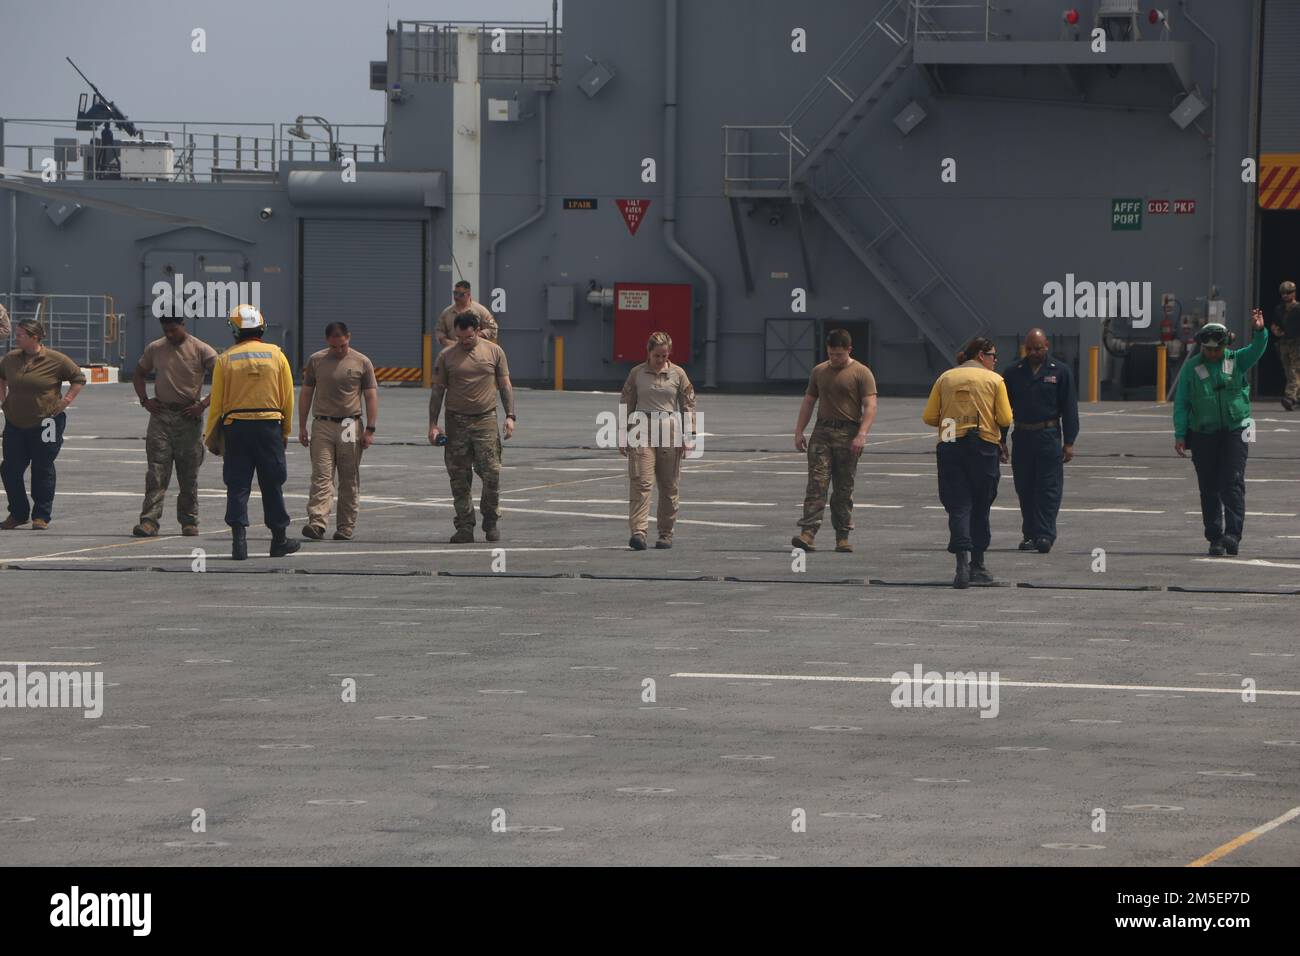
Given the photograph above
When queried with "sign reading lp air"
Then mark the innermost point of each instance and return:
(580, 204)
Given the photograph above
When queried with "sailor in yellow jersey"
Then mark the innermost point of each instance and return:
(249, 422)
(969, 406)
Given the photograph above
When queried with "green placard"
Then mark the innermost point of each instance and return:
(1126, 214)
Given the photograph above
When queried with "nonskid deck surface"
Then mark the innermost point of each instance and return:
(524, 690)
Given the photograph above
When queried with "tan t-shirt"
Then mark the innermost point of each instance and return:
(338, 382)
(840, 392)
(471, 377)
(180, 368)
(667, 391)
(35, 384)
(487, 325)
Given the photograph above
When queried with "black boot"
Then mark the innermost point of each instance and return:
(962, 578)
(282, 545)
(239, 543)
(978, 573)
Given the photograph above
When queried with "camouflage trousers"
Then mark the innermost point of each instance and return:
(173, 439)
(1288, 351)
(474, 448)
(832, 465)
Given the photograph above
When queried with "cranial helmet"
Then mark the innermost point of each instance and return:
(1214, 333)
(244, 317)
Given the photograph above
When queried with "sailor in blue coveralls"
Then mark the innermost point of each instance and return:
(1046, 411)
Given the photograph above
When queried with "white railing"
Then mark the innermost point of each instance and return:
(86, 328)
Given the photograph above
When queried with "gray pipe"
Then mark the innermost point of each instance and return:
(13, 242)
(543, 195)
(670, 197)
(1252, 140)
(1214, 138)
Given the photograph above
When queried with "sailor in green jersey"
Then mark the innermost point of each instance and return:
(1211, 419)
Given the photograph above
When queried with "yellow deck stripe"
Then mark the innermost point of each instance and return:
(1220, 852)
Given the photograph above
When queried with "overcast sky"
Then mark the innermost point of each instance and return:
(266, 60)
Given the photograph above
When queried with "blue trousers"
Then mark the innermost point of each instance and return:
(255, 447)
(23, 448)
(1220, 462)
(968, 486)
(1040, 478)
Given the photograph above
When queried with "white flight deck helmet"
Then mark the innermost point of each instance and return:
(245, 317)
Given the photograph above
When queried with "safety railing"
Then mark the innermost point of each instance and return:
(850, 73)
(178, 151)
(524, 51)
(756, 159)
(962, 21)
(894, 228)
(86, 328)
(332, 144)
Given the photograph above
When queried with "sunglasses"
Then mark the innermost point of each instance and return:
(990, 354)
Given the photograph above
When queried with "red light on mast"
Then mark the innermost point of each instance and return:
(1072, 16)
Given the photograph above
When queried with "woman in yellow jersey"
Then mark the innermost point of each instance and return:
(969, 406)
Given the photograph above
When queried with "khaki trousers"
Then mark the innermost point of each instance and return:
(647, 466)
(330, 454)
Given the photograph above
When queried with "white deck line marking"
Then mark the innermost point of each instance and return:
(1001, 683)
(434, 503)
(1257, 514)
(50, 663)
(1253, 562)
(623, 501)
(336, 553)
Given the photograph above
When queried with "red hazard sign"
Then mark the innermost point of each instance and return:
(633, 210)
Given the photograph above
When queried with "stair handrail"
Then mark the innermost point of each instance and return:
(846, 56)
(896, 222)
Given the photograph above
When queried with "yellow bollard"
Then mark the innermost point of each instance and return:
(1162, 360)
(1094, 373)
(559, 363)
(426, 376)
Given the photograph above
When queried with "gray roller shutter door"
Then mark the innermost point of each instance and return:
(370, 275)
(1279, 122)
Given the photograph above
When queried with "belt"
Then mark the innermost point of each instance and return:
(178, 406)
(331, 418)
(1037, 426)
(837, 423)
(490, 411)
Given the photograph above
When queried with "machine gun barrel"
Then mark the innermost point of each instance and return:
(114, 113)
(87, 79)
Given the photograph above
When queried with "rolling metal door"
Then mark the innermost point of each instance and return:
(370, 275)
(1279, 121)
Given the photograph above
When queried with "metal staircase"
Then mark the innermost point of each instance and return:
(814, 131)
(911, 275)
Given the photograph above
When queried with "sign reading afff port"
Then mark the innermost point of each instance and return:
(641, 308)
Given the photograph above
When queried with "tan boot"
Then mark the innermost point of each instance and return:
(842, 545)
(803, 540)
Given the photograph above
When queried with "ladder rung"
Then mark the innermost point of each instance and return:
(843, 90)
(888, 231)
(924, 289)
